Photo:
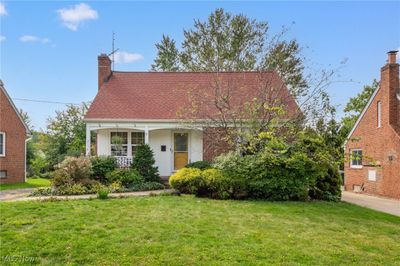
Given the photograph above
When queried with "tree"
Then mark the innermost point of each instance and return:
(167, 56)
(66, 133)
(355, 106)
(144, 162)
(225, 42)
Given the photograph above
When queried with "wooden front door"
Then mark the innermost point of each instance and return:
(181, 150)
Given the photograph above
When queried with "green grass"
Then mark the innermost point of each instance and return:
(30, 183)
(191, 231)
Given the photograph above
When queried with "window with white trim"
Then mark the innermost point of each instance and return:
(119, 143)
(2, 144)
(137, 138)
(379, 113)
(356, 158)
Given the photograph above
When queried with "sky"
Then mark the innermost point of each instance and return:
(49, 49)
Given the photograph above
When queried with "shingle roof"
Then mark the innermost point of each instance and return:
(160, 95)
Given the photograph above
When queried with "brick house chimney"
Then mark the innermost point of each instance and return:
(104, 65)
(390, 80)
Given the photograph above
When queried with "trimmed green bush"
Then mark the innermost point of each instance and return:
(102, 165)
(202, 165)
(186, 180)
(127, 177)
(144, 162)
(215, 185)
(103, 193)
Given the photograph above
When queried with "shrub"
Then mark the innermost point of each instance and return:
(127, 177)
(61, 178)
(202, 165)
(145, 186)
(42, 191)
(186, 180)
(102, 165)
(103, 193)
(77, 168)
(144, 162)
(75, 189)
(215, 185)
(115, 186)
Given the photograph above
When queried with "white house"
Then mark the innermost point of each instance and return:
(146, 107)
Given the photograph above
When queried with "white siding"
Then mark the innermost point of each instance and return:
(103, 142)
(163, 159)
(196, 146)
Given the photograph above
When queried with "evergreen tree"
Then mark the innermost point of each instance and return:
(144, 161)
(167, 55)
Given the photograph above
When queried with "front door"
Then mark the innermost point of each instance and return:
(181, 150)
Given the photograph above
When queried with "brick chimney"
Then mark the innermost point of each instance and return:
(390, 81)
(104, 64)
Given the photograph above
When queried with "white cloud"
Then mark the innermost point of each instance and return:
(3, 10)
(121, 57)
(2, 38)
(32, 38)
(72, 17)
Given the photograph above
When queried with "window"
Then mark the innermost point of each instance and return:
(119, 143)
(356, 159)
(3, 174)
(137, 138)
(2, 144)
(379, 109)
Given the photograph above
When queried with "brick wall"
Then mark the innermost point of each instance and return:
(14, 160)
(379, 145)
(213, 145)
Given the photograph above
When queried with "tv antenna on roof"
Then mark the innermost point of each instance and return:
(113, 50)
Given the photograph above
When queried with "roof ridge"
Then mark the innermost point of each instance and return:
(194, 72)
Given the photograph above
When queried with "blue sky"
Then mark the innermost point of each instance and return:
(48, 50)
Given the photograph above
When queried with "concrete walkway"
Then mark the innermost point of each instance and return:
(391, 206)
(15, 194)
(18, 195)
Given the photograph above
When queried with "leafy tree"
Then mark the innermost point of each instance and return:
(225, 42)
(355, 106)
(167, 56)
(230, 42)
(66, 133)
(144, 162)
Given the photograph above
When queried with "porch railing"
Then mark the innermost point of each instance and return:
(124, 161)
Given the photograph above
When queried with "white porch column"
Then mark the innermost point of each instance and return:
(87, 140)
(146, 135)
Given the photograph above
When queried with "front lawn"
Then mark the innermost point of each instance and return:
(187, 231)
(30, 183)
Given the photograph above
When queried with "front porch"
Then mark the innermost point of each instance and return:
(173, 145)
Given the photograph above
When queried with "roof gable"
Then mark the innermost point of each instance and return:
(14, 107)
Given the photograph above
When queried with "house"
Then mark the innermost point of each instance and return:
(13, 138)
(373, 146)
(147, 107)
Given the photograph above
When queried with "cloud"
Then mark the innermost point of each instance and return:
(32, 38)
(2, 38)
(122, 57)
(72, 17)
(3, 10)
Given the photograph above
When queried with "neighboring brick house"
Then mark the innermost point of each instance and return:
(144, 107)
(13, 137)
(372, 149)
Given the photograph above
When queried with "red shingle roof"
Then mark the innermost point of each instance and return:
(160, 95)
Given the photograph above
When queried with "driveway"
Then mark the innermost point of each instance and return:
(14, 194)
(391, 206)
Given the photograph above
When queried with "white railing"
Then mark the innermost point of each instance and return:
(124, 161)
